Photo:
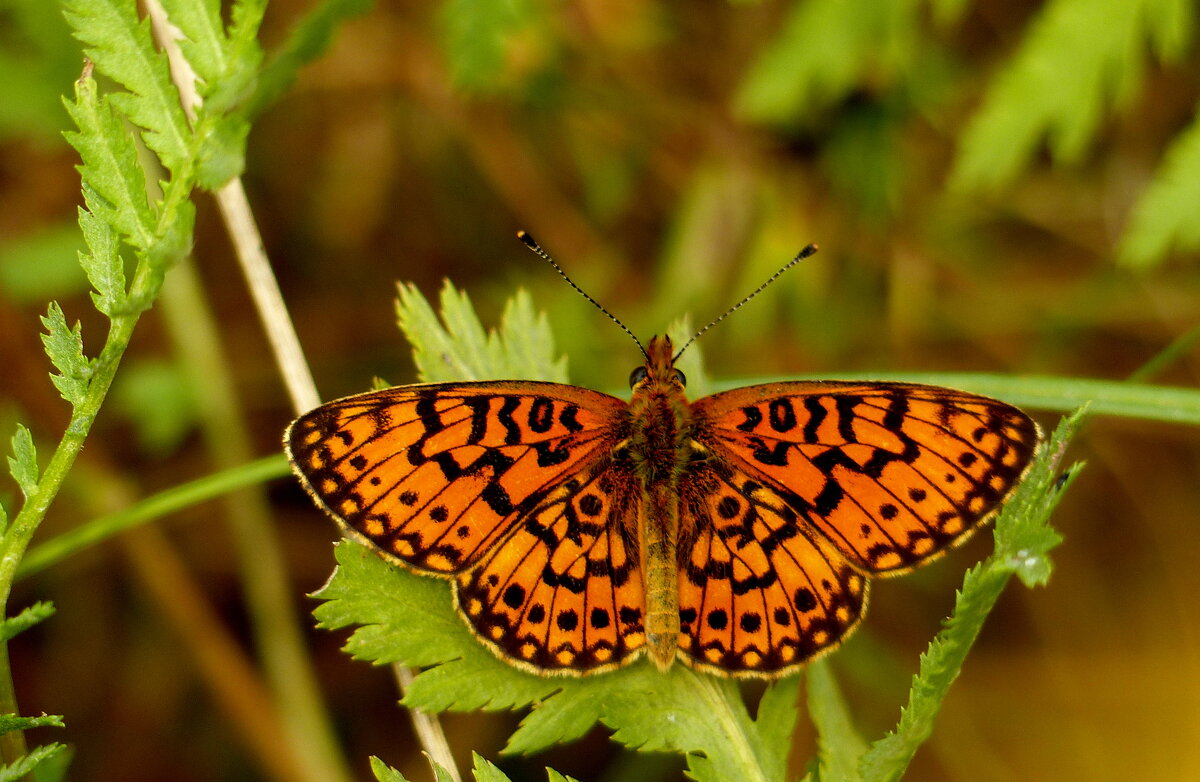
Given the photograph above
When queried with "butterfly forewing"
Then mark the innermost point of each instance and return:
(890, 473)
(437, 475)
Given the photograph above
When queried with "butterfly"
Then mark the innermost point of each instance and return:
(736, 533)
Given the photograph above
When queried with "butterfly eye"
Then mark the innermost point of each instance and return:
(637, 376)
(680, 378)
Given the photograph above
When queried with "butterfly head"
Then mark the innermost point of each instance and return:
(659, 369)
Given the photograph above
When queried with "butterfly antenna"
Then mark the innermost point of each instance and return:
(545, 256)
(800, 256)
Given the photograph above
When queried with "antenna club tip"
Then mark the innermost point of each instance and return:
(527, 239)
(811, 249)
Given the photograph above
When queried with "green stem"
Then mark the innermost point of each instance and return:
(16, 540)
(12, 743)
(34, 510)
(172, 500)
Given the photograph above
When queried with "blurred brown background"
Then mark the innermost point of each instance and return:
(628, 138)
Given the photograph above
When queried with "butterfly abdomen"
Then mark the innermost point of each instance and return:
(656, 449)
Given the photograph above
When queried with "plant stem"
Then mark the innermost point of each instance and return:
(17, 538)
(261, 566)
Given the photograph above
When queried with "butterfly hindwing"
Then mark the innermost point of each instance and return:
(564, 592)
(435, 476)
(890, 473)
(759, 591)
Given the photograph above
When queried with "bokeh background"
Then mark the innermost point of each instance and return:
(976, 173)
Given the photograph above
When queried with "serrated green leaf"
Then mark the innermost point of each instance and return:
(1018, 525)
(1165, 216)
(23, 765)
(103, 265)
(457, 347)
(486, 771)
(822, 52)
(403, 617)
(114, 185)
(64, 346)
(385, 773)
(121, 46)
(1078, 58)
(11, 722)
(203, 38)
(13, 626)
(22, 465)
(527, 343)
(54, 768)
(554, 776)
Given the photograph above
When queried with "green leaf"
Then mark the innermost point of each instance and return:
(475, 37)
(103, 265)
(11, 722)
(823, 50)
(309, 39)
(1022, 533)
(1165, 216)
(1078, 57)
(13, 626)
(203, 38)
(121, 47)
(385, 773)
(486, 771)
(225, 69)
(114, 185)
(22, 766)
(64, 346)
(54, 767)
(839, 745)
(22, 465)
(223, 153)
(554, 776)
(457, 347)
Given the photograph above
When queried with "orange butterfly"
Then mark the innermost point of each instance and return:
(736, 533)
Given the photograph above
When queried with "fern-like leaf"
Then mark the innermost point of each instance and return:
(114, 185)
(22, 465)
(30, 616)
(121, 46)
(1166, 215)
(64, 346)
(1078, 58)
(103, 265)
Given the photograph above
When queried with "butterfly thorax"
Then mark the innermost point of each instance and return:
(660, 421)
